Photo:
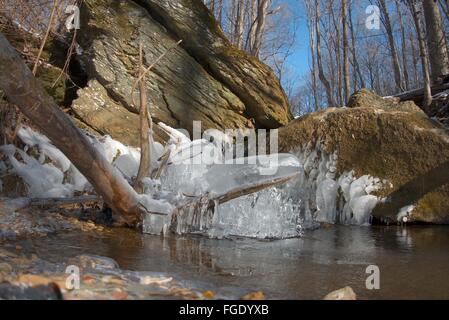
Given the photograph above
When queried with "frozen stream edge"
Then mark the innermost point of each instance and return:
(319, 194)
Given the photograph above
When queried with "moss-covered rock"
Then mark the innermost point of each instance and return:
(53, 57)
(383, 138)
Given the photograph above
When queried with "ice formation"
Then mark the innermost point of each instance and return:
(197, 170)
(327, 196)
(404, 213)
(47, 172)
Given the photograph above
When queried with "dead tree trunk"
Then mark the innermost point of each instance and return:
(22, 89)
(145, 130)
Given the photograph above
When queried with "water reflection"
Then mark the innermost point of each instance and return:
(413, 260)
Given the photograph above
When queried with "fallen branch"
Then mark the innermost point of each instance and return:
(203, 206)
(252, 188)
(24, 90)
(417, 95)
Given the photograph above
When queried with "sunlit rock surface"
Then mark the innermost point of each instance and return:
(355, 159)
(232, 90)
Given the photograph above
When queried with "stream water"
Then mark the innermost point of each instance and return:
(413, 261)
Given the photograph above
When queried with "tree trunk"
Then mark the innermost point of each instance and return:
(262, 13)
(314, 76)
(346, 77)
(321, 75)
(145, 130)
(391, 45)
(239, 24)
(336, 47)
(436, 42)
(252, 27)
(423, 52)
(404, 45)
(22, 89)
(355, 60)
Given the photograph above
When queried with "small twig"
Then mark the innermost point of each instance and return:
(141, 76)
(44, 40)
(67, 61)
(164, 163)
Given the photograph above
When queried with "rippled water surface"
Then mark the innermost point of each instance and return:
(413, 261)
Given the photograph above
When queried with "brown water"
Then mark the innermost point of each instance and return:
(413, 261)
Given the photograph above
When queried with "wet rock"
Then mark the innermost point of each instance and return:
(33, 222)
(147, 280)
(345, 293)
(41, 292)
(395, 142)
(87, 261)
(5, 267)
(259, 295)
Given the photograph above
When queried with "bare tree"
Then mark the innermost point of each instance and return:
(423, 52)
(321, 74)
(146, 127)
(346, 75)
(404, 45)
(436, 42)
(391, 43)
(313, 71)
(261, 19)
(355, 60)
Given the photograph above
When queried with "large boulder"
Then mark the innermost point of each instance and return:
(227, 90)
(251, 80)
(378, 157)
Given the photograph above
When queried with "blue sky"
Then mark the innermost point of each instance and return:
(299, 60)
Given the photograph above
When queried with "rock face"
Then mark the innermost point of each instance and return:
(205, 79)
(394, 142)
(252, 81)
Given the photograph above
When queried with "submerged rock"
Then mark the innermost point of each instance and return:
(345, 293)
(100, 278)
(401, 154)
(41, 292)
